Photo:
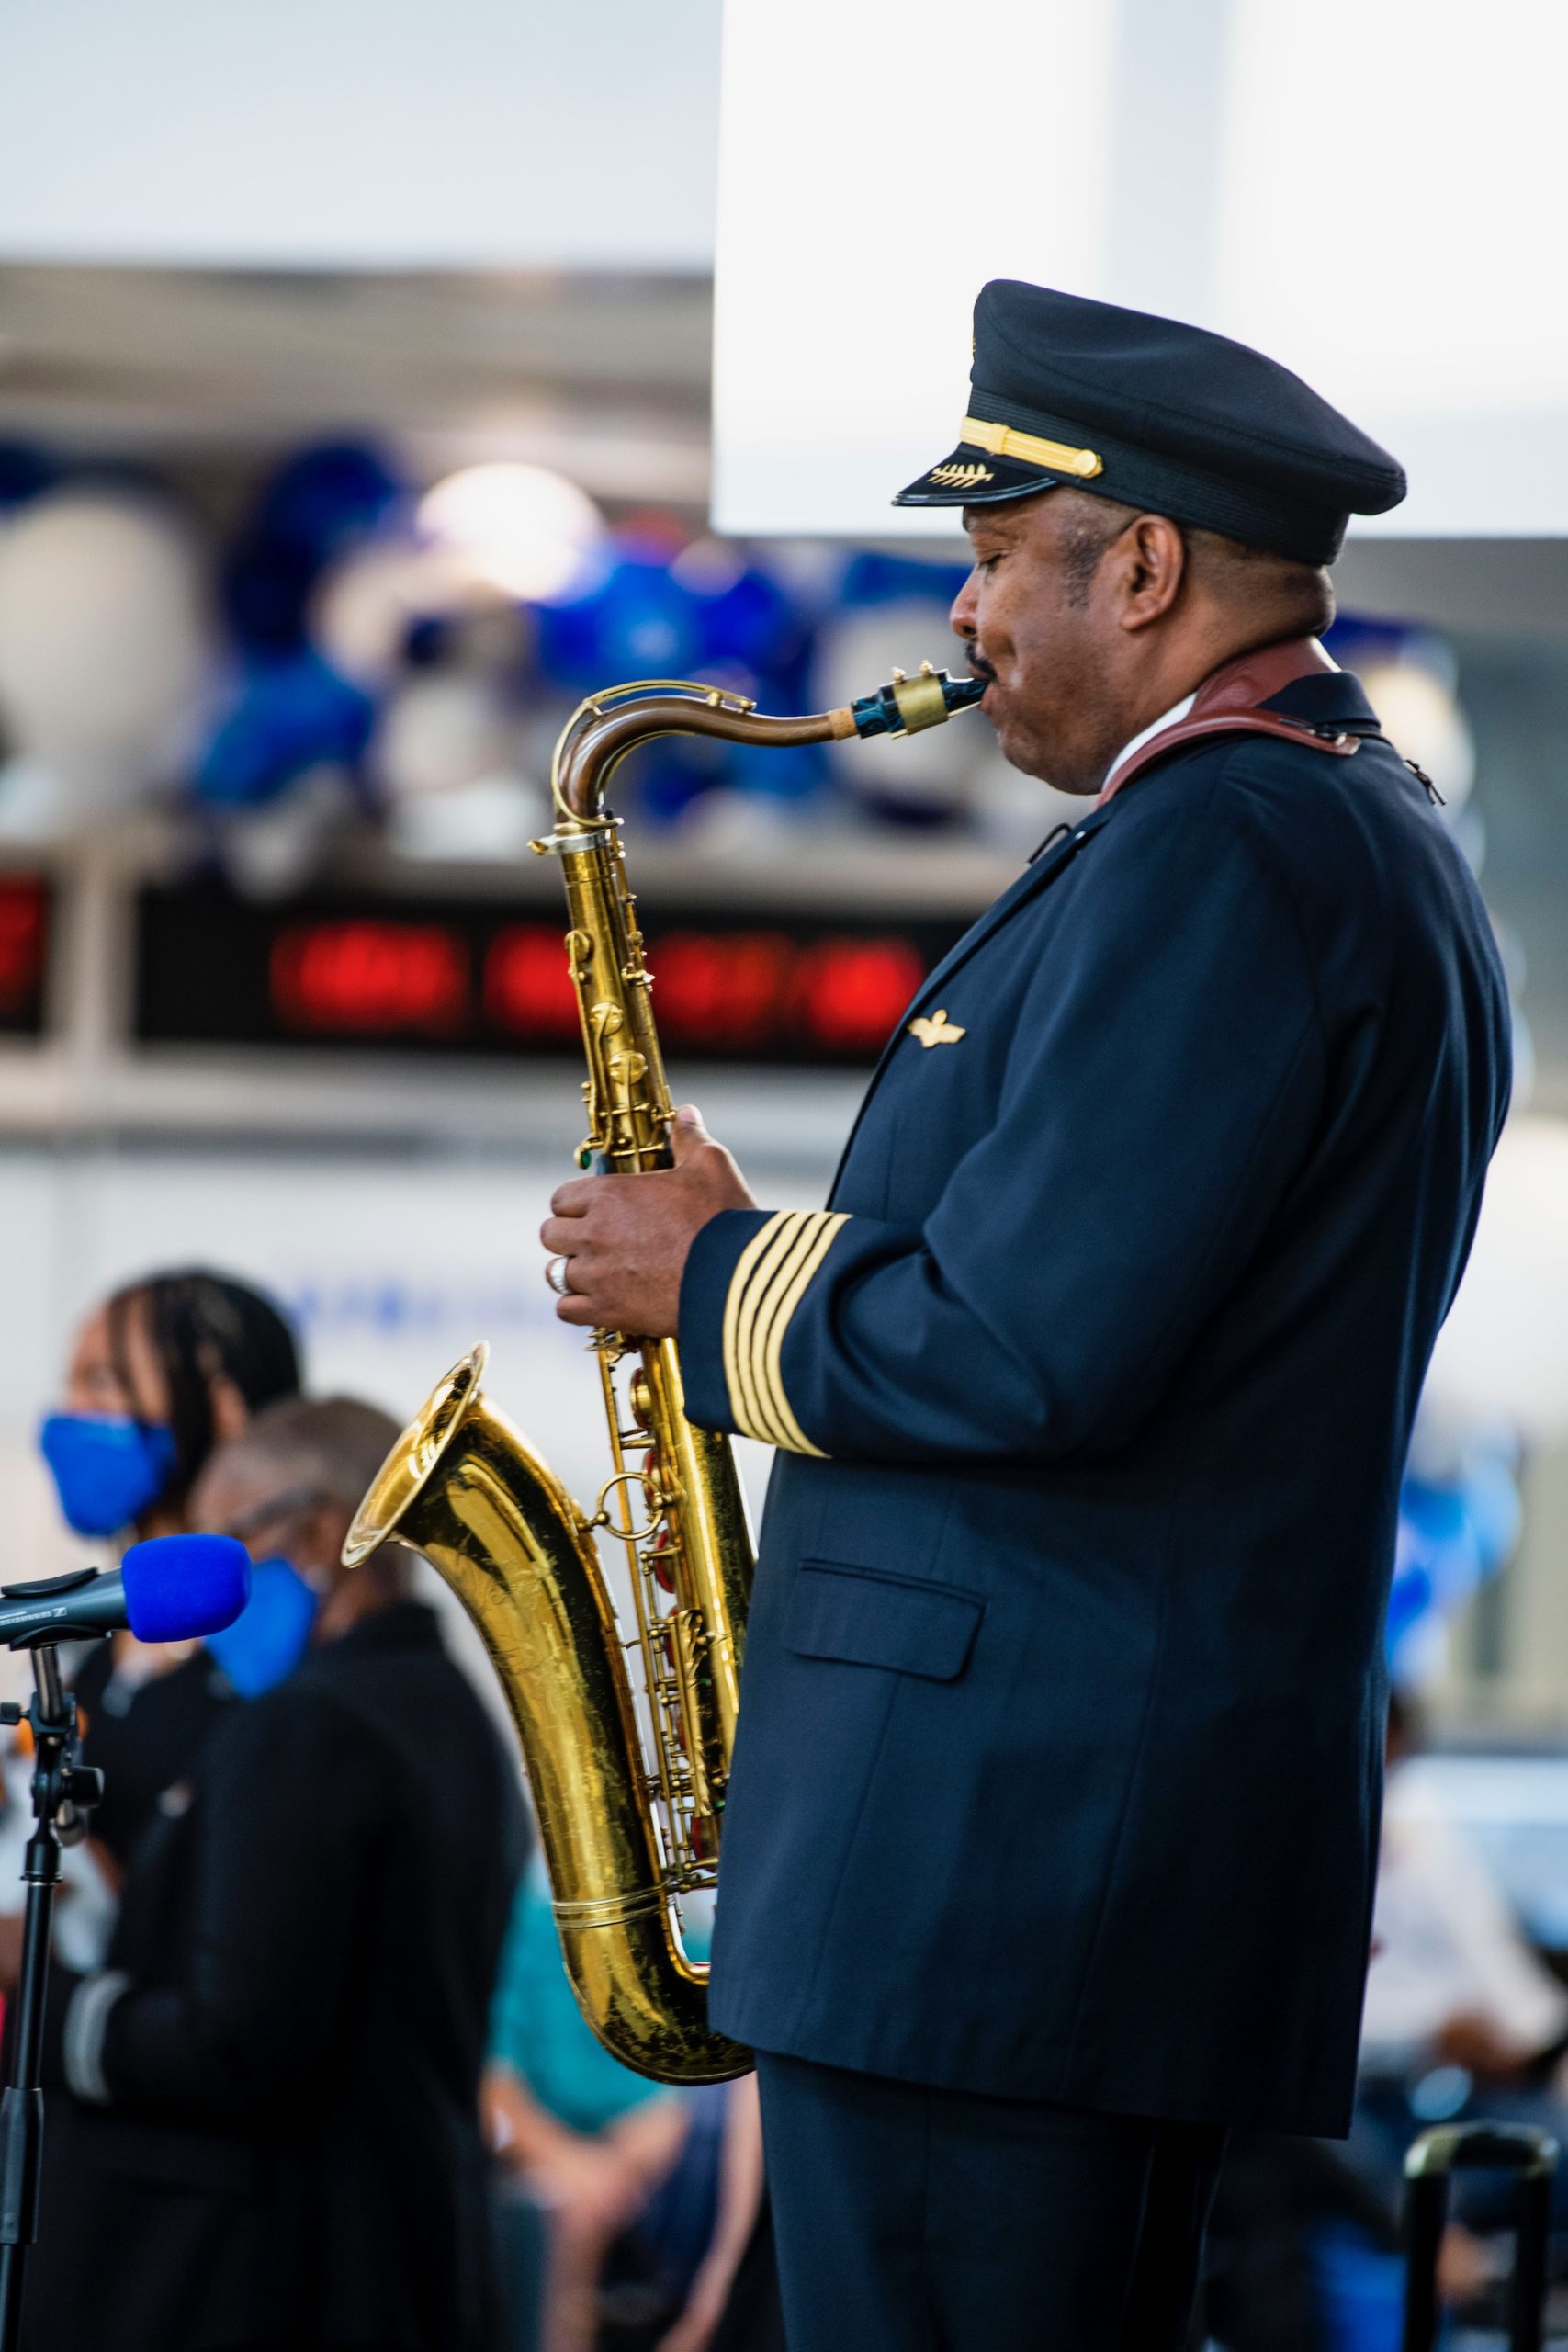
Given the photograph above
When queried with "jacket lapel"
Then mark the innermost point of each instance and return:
(1029, 885)
(1311, 692)
(1292, 680)
(1019, 893)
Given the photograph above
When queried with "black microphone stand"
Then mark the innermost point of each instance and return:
(64, 1791)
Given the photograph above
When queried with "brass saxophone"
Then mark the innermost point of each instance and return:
(629, 1791)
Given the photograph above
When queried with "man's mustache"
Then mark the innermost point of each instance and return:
(981, 668)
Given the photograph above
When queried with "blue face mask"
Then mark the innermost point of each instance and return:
(270, 1635)
(107, 1468)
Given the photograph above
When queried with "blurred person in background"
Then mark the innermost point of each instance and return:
(159, 1373)
(274, 2083)
(734, 2304)
(1463, 2019)
(1290, 2217)
(611, 2181)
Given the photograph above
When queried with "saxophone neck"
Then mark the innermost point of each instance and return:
(626, 1092)
(602, 730)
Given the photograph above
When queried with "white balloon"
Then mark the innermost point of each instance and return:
(488, 821)
(527, 530)
(1422, 719)
(361, 613)
(440, 730)
(728, 824)
(34, 804)
(104, 637)
(272, 852)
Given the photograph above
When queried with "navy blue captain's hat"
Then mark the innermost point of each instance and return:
(1158, 415)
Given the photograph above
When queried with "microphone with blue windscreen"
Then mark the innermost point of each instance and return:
(170, 1589)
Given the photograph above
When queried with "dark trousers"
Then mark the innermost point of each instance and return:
(911, 2220)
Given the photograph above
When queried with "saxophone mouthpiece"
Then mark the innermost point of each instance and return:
(907, 705)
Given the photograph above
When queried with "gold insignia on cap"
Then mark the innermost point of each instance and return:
(953, 477)
(1006, 441)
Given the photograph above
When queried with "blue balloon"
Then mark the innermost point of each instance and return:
(1354, 638)
(289, 715)
(872, 579)
(24, 470)
(793, 773)
(641, 615)
(318, 505)
(1453, 1533)
(750, 619)
(1494, 1509)
(632, 620)
(325, 498)
(1409, 1601)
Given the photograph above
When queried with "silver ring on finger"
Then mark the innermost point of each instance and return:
(556, 1274)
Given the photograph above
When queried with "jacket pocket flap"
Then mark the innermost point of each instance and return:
(863, 1618)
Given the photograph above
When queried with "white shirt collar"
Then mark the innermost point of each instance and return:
(1171, 718)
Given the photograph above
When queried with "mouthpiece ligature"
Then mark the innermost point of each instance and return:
(907, 705)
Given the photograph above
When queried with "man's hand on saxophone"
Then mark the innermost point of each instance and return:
(622, 1241)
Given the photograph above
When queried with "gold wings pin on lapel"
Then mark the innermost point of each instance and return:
(936, 1029)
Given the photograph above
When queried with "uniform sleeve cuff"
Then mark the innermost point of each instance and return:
(704, 1292)
(746, 1276)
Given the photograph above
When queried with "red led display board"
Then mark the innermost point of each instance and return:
(25, 911)
(477, 977)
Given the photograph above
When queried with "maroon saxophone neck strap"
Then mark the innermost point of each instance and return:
(1229, 702)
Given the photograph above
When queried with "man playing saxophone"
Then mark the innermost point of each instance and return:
(1048, 1851)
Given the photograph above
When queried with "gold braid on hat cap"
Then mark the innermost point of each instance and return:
(1006, 441)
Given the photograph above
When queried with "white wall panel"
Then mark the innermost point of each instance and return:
(1369, 190)
(360, 134)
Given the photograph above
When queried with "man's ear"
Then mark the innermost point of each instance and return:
(229, 1410)
(1154, 559)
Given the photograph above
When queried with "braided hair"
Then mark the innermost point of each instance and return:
(204, 1327)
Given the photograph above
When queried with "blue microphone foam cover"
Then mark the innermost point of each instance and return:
(179, 1587)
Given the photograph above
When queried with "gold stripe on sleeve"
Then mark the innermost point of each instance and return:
(750, 1277)
(789, 1287)
(771, 1278)
(756, 1322)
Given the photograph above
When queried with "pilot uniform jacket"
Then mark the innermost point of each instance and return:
(284, 2148)
(1059, 1762)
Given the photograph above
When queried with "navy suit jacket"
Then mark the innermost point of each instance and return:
(1059, 1766)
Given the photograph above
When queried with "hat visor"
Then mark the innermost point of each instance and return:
(972, 477)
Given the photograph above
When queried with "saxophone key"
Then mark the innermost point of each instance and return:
(660, 1553)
